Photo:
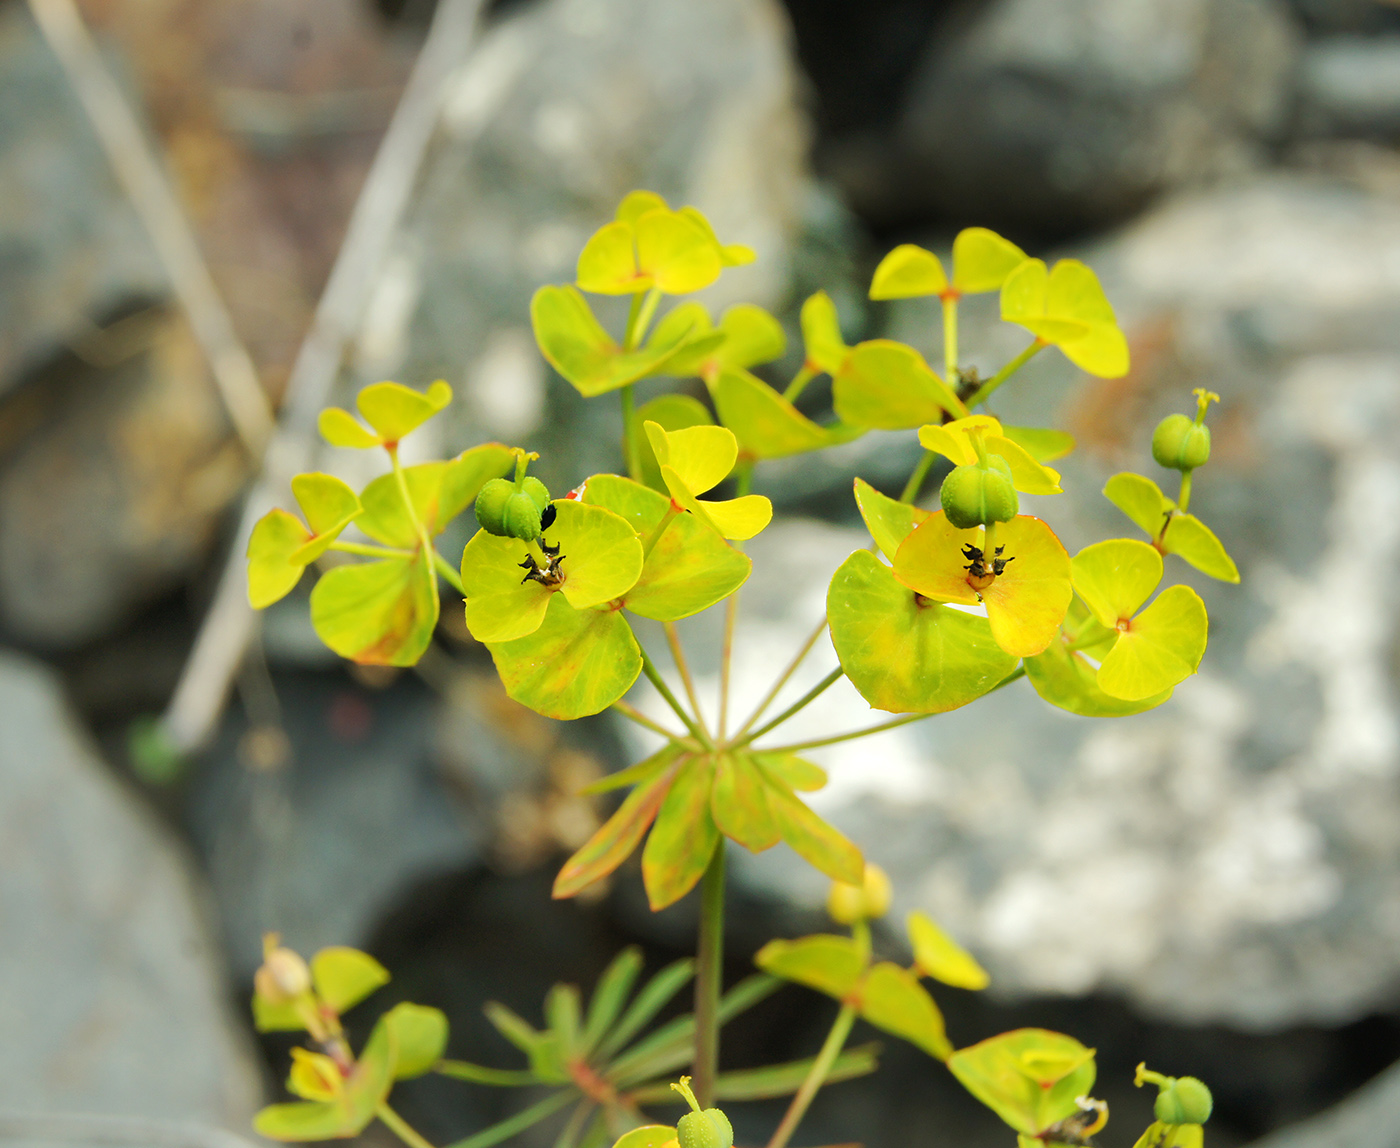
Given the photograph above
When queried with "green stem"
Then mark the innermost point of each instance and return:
(400, 1127)
(370, 551)
(709, 965)
(916, 479)
(480, 1074)
(444, 567)
(636, 715)
(655, 536)
(1183, 500)
(950, 339)
(797, 660)
(673, 639)
(634, 314)
(989, 546)
(631, 455)
(836, 739)
(800, 704)
(640, 319)
(654, 676)
(422, 531)
(984, 392)
(743, 475)
(816, 1075)
(799, 382)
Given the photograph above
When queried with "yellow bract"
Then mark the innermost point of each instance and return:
(956, 441)
(698, 458)
(650, 246)
(1025, 603)
(982, 260)
(1067, 308)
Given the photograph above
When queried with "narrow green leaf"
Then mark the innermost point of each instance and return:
(343, 976)
(638, 774)
(514, 1125)
(655, 995)
(683, 837)
(562, 1012)
(480, 1074)
(542, 1048)
(796, 772)
(821, 845)
(610, 994)
(615, 839)
(891, 998)
(739, 803)
(830, 964)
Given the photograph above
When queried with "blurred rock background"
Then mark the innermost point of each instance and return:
(1214, 886)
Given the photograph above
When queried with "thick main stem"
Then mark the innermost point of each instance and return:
(709, 965)
(816, 1076)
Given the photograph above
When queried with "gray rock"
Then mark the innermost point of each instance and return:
(1063, 114)
(561, 109)
(1369, 1118)
(320, 846)
(115, 492)
(115, 999)
(1233, 856)
(72, 252)
(1333, 16)
(1350, 86)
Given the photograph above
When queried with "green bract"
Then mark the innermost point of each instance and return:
(1154, 649)
(887, 386)
(1172, 530)
(1031, 1078)
(982, 260)
(1067, 309)
(693, 461)
(280, 547)
(391, 409)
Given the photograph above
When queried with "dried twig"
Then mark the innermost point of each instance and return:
(198, 700)
(146, 184)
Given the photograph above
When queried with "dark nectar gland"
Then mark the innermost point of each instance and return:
(979, 576)
(549, 575)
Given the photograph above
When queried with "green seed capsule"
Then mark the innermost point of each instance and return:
(538, 492)
(507, 512)
(1183, 1101)
(702, 1130)
(1180, 444)
(491, 505)
(973, 496)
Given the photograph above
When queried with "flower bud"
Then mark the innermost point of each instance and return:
(976, 495)
(283, 975)
(1185, 1100)
(868, 901)
(1180, 444)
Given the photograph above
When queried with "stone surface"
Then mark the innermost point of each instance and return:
(1057, 115)
(1369, 1118)
(1350, 86)
(72, 252)
(115, 999)
(1234, 856)
(114, 490)
(561, 109)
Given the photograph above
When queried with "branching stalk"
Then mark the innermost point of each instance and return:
(800, 704)
(916, 479)
(636, 715)
(799, 382)
(950, 338)
(401, 1127)
(654, 676)
(984, 392)
(792, 666)
(448, 572)
(673, 639)
(816, 1075)
(370, 551)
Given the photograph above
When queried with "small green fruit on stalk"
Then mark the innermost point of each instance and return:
(708, 1128)
(1182, 443)
(1180, 1099)
(509, 510)
(978, 495)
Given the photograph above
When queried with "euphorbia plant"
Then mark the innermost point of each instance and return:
(949, 603)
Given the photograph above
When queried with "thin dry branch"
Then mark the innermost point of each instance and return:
(199, 697)
(143, 178)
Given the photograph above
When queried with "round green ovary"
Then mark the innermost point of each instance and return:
(1179, 444)
(974, 495)
(707, 1129)
(1185, 1100)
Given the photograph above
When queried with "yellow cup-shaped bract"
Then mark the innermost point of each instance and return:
(1180, 444)
(977, 495)
(868, 901)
